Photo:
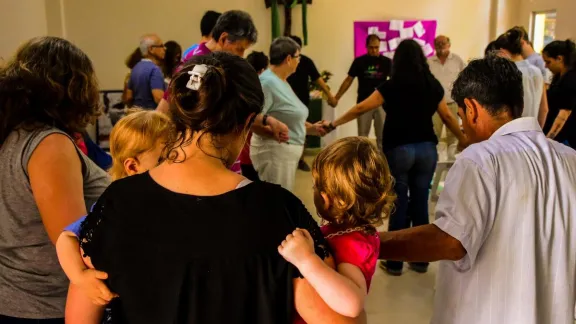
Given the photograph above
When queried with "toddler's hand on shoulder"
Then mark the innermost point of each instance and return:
(92, 284)
(298, 247)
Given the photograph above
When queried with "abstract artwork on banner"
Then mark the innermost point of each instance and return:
(393, 32)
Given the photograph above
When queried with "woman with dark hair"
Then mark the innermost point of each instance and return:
(48, 92)
(192, 241)
(171, 59)
(560, 58)
(131, 61)
(412, 96)
(490, 48)
(535, 103)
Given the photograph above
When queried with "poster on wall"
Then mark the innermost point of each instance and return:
(393, 32)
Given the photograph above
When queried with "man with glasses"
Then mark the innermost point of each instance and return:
(234, 33)
(445, 66)
(371, 70)
(146, 85)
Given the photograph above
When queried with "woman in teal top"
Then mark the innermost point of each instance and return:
(277, 162)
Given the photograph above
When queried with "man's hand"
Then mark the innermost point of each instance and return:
(298, 247)
(328, 127)
(92, 285)
(279, 129)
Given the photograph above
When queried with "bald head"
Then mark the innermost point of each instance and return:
(151, 46)
(442, 46)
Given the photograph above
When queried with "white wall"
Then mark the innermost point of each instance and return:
(565, 22)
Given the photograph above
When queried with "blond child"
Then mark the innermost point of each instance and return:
(136, 144)
(352, 193)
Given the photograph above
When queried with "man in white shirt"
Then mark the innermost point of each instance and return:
(531, 56)
(507, 216)
(445, 66)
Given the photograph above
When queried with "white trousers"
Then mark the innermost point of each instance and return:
(275, 162)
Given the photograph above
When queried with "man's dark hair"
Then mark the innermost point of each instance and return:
(208, 22)
(258, 60)
(495, 82)
(281, 48)
(297, 39)
(371, 37)
(523, 32)
(239, 26)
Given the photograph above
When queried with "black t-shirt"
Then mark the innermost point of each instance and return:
(371, 71)
(409, 110)
(562, 95)
(178, 258)
(306, 72)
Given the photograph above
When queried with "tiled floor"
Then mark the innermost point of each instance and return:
(404, 299)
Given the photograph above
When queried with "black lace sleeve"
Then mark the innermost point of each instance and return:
(304, 220)
(91, 227)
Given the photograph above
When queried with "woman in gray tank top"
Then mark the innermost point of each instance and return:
(48, 92)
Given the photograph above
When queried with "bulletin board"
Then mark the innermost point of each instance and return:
(393, 32)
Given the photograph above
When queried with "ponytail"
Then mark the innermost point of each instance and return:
(566, 49)
(510, 41)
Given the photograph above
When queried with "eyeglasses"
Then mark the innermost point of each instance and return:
(159, 46)
(296, 57)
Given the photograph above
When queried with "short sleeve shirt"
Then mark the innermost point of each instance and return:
(188, 51)
(537, 60)
(509, 202)
(301, 79)
(371, 71)
(409, 110)
(533, 84)
(446, 73)
(281, 102)
(193, 273)
(562, 95)
(145, 77)
(357, 248)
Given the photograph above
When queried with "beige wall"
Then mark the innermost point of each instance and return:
(565, 22)
(108, 30)
(20, 20)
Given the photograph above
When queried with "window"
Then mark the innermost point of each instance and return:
(543, 29)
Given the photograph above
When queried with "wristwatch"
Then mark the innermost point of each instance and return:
(330, 127)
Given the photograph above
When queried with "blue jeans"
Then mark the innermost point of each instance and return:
(412, 167)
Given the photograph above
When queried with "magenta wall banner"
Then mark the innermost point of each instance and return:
(393, 32)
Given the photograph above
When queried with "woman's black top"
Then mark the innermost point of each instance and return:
(177, 258)
(562, 95)
(409, 109)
